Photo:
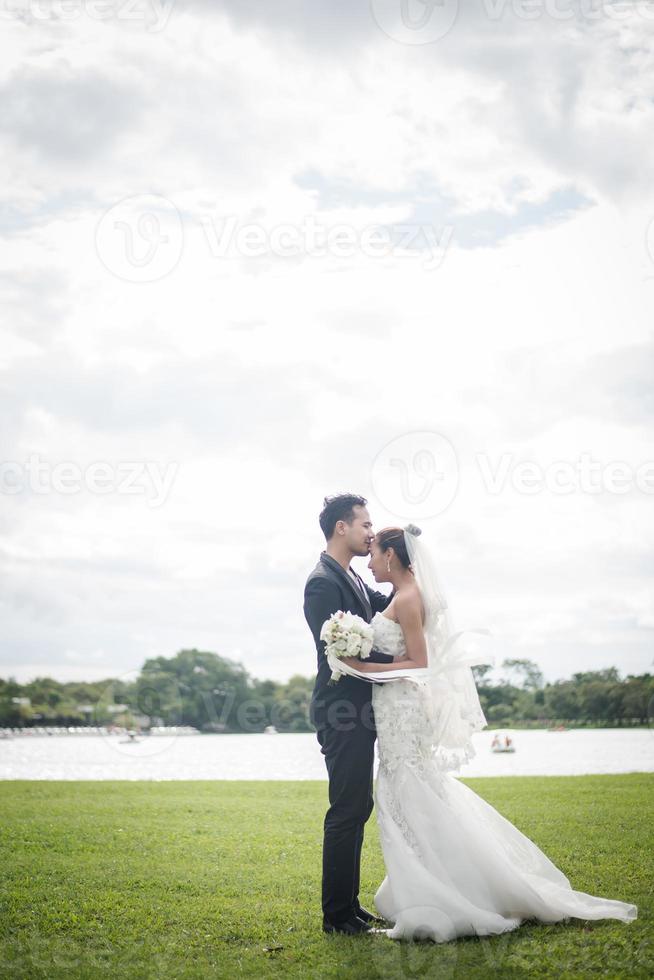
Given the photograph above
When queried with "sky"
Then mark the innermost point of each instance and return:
(257, 253)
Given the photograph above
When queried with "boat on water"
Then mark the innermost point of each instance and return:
(131, 739)
(502, 743)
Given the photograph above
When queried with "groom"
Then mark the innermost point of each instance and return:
(342, 713)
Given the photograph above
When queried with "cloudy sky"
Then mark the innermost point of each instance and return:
(255, 253)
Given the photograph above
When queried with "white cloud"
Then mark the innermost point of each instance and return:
(269, 381)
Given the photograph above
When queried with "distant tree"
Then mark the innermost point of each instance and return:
(607, 674)
(479, 672)
(597, 701)
(215, 694)
(292, 702)
(193, 688)
(528, 673)
(637, 698)
(10, 713)
(500, 713)
(561, 701)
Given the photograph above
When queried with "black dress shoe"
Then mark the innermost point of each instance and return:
(367, 916)
(353, 926)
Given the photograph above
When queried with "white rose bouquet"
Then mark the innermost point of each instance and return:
(345, 635)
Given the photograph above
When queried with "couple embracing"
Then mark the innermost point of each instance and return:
(454, 865)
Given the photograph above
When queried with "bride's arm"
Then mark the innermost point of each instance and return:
(409, 616)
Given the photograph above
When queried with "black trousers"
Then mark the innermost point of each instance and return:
(349, 757)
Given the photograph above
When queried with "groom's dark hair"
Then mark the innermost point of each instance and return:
(339, 507)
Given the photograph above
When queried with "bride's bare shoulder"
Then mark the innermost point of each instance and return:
(409, 601)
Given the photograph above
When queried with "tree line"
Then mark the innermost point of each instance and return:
(215, 694)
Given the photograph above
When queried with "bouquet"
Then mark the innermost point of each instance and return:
(345, 635)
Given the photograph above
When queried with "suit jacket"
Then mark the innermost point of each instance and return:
(328, 589)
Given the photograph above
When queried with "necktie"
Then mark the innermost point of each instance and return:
(360, 588)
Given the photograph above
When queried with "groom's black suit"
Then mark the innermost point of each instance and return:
(345, 727)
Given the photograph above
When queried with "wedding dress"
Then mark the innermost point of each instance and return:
(454, 865)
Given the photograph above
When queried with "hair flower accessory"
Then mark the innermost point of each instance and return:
(413, 529)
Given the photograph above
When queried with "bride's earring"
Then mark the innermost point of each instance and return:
(388, 566)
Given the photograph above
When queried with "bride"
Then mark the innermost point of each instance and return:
(454, 865)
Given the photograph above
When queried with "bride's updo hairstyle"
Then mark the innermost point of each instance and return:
(393, 537)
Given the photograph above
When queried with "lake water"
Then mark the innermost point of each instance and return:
(297, 756)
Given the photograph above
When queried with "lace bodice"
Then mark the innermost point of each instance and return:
(407, 720)
(388, 635)
(401, 708)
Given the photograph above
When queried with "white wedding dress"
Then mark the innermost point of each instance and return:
(454, 865)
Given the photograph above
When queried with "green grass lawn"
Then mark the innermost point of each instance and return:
(222, 879)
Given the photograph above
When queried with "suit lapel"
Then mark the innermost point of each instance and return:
(360, 595)
(366, 600)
